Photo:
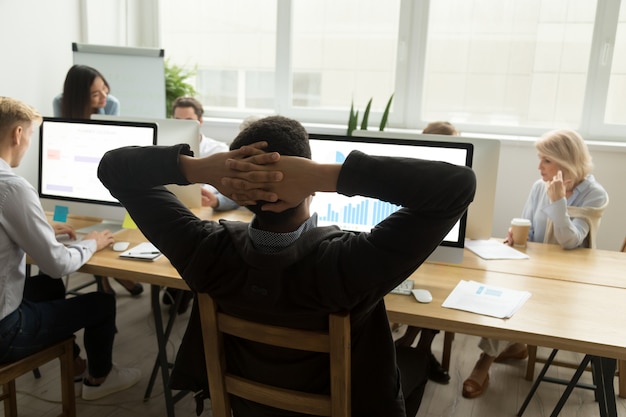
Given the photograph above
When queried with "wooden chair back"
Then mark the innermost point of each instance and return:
(222, 384)
(9, 372)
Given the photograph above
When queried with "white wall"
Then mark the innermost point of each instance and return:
(35, 43)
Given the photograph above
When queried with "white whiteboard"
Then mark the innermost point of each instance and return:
(136, 76)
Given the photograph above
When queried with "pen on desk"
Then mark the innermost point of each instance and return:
(143, 253)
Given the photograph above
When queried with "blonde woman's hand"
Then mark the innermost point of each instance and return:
(557, 187)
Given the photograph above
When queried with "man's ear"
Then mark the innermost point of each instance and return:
(16, 135)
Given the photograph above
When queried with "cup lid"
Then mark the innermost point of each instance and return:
(518, 221)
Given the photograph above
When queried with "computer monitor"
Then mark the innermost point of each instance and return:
(69, 154)
(172, 132)
(361, 214)
(485, 165)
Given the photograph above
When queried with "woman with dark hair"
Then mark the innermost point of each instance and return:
(85, 92)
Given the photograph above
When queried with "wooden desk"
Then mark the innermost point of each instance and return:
(562, 314)
(576, 303)
(592, 266)
(559, 314)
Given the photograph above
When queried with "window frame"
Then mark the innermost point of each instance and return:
(411, 50)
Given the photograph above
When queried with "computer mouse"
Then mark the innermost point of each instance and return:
(423, 296)
(120, 246)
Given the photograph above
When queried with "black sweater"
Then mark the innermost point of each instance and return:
(326, 270)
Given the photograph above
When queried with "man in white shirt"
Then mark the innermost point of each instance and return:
(34, 312)
(189, 108)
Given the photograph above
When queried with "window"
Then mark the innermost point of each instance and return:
(343, 50)
(508, 63)
(616, 98)
(231, 44)
(489, 66)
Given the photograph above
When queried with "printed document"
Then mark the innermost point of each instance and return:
(492, 249)
(485, 299)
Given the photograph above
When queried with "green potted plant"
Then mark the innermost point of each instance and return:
(176, 84)
(353, 119)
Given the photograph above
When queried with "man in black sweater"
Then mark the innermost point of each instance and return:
(281, 268)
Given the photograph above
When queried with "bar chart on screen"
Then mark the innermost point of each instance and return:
(357, 214)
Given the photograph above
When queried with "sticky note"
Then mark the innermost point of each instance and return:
(128, 222)
(60, 214)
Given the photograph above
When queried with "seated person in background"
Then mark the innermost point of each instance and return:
(565, 166)
(440, 128)
(189, 108)
(85, 92)
(436, 372)
(281, 268)
(34, 312)
(247, 121)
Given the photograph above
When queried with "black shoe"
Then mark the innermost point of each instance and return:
(184, 302)
(134, 288)
(436, 373)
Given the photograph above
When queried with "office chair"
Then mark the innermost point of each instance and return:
(222, 383)
(9, 372)
(603, 369)
(591, 215)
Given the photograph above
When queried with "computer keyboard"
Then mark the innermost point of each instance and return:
(102, 226)
(66, 240)
(404, 287)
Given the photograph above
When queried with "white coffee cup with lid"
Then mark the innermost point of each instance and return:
(519, 229)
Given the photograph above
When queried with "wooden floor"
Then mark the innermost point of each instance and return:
(135, 346)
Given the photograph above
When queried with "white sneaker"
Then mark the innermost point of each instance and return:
(118, 379)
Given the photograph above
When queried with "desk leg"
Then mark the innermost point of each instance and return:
(533, 389)
(572, 385)
(604, 373)
(170, 324)
(622, 377)
(162, 355)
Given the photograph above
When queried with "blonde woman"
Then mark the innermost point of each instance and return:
(566, 182)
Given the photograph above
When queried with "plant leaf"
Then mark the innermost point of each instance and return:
(383, 121)
(366, 115)
(176, 84)
(352, 119)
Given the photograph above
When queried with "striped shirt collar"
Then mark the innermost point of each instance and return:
(270, 242)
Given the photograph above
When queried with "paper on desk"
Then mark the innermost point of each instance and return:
(492, 249)
(145, 251)
(484, 299)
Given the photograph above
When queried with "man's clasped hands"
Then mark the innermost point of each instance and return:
(250, 174)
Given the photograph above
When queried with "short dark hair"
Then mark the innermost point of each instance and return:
(189, 102)
(283, 135)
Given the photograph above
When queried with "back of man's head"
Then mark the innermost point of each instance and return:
(283, 135)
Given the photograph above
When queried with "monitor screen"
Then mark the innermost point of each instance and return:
(361, 214)
(172, 132)
(485, 163)
(70, 151)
